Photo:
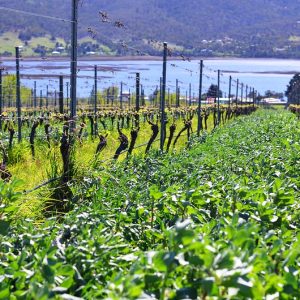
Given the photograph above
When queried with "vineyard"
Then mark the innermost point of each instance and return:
(56, 139)
(147, 198)
(98, 139)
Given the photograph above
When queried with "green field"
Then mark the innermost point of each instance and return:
(218, 220)
(10, 40)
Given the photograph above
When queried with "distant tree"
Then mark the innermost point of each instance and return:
(213, 91)
(25, 36)
(273, 94)
(293, 90)
(6, 53)
(41, 50)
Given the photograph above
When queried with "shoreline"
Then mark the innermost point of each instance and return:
(138, 58)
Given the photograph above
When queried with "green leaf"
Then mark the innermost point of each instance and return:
(155, 193)
(4, 227)
(67, 283)
(4, 294)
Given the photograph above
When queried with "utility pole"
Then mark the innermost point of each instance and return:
(74, 62)
(18, 94)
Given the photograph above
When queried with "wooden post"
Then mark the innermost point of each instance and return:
(137, 98)
(61, 95)
(129, 98)
(242, 93)
(74, 62)
(200, 98)
(107, 96)
(229, 91)
(163, 97)
(121, 95)
(55, 99)
(177, 94)
(190, 94)
(47, 99)
(186, 98)
(143, 96)
(18, 94)
(1, 99)
(237, 92)
(95, 90)
(113, 96)
(218, 95)
(95, 99)
(34, 98)
(41, 99)
(137, 92)
(67, 97)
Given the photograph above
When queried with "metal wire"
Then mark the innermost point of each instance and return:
(34, 14)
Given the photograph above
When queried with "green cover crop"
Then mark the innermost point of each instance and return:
(217, 221)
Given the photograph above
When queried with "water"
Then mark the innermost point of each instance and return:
(262, 74)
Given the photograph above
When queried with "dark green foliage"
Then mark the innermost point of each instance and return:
(293, 90)
(213, 91)
(217, 221)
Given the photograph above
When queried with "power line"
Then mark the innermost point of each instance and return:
(34, 14)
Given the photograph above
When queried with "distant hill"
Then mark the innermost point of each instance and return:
(215, 27)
